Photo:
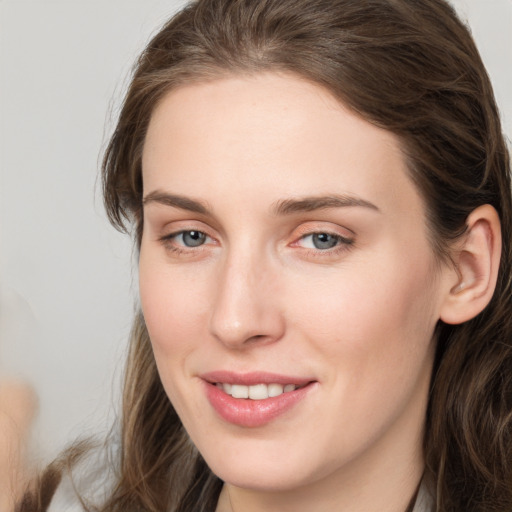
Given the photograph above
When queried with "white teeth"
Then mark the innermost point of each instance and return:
(239, 391)
(275, 389)
(256, 392)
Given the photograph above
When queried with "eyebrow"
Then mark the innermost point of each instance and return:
(176, 201)
(282, 207)
(309, 204)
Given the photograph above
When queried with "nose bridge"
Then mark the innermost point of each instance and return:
(245, 306)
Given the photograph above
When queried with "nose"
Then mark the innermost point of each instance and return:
(246, 303)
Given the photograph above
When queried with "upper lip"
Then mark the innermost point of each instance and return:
(253, 378)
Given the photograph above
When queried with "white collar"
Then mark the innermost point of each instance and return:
(425, 500)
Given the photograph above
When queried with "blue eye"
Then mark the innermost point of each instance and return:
(191, 238)
(186, 242)
(323, 241)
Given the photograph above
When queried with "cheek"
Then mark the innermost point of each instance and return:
(373, 331)
(174, 308)
(374, 320)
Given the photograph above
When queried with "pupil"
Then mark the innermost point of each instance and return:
(193, 238)
(324, 241)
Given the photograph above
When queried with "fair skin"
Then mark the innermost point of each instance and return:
(18, 405)
(282, 235)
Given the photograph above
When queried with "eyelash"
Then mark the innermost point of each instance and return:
(167, 241)
(342, 243)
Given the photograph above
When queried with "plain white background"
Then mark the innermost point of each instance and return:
(67, 283)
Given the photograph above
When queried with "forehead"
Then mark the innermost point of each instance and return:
(270, 134)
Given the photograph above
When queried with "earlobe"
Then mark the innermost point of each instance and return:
(476, 267)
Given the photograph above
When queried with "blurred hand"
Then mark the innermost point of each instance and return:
(18, 404)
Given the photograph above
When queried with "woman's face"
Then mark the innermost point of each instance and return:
(285, 256)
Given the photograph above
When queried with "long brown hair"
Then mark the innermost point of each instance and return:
(410, 67)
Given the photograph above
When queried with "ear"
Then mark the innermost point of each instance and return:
(476, 260)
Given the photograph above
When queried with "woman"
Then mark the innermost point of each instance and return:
(320, 196)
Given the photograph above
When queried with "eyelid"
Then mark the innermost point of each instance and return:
(322, 223)
(173, 230)
(176, 234)
(341, 238)
(171, 227)
(344, 242)
(310, 228)
(179, 231)
(342, 245)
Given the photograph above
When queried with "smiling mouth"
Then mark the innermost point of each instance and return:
(254, 399)
(257, 391)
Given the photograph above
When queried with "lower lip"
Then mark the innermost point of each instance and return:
(253, 413)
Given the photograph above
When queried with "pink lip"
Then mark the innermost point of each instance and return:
(253, 413)
(253, 378)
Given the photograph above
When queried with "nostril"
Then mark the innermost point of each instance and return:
(258, 338)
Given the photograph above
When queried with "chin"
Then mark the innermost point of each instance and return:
(263, 472)
(259, 480)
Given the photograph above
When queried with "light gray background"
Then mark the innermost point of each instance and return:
(67, 286)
